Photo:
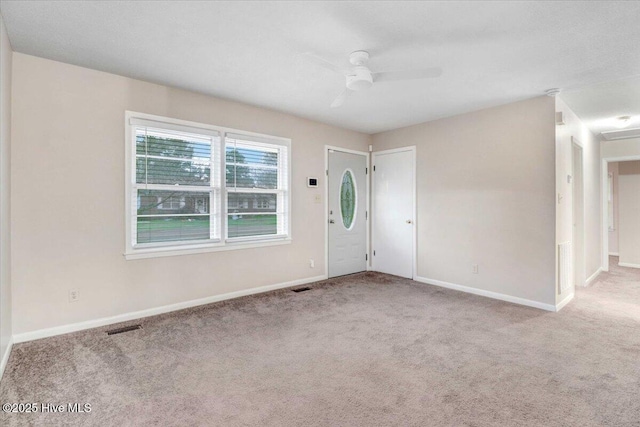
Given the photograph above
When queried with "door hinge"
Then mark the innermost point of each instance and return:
(366, 214)
(366, 257)
(366, 171)
(374, 168)
(374, 253)
(327, 172)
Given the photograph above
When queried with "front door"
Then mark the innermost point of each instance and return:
(347, 213)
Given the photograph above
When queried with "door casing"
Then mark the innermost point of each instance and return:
(577, 214)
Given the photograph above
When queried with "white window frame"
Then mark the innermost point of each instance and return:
(218, 202)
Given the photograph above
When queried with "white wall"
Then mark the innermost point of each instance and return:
(486, 184)
(622, 148)
(5, 194)
(68, 197)
(575, 131)
(613, 234)
(629, 215)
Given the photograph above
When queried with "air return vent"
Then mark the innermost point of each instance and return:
(301, 289)
(564, 266)
(125, 329)
(621, 134)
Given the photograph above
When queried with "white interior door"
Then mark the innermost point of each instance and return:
(347, 213)
(393, 212)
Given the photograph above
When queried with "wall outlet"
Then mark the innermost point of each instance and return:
(74, 295)
(312, 264)
(474, 268)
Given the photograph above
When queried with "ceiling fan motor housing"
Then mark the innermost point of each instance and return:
(359, 78)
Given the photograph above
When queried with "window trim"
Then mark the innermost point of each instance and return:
(162, 249)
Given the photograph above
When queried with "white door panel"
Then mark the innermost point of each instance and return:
(347, 213)
(393, 212)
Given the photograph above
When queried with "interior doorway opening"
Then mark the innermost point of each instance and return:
(610, 219)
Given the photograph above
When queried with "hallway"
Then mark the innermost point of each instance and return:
(613, 293)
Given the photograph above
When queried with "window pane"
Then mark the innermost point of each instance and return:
(251, 168)
(251, 177)
(172, 229)
(347, 199)
(163, 159)
(251, 202)
(251, 156)
(251, 225)
(171, 172)
(155, 202)
(166, 144)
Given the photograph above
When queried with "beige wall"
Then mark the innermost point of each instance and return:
(68, 197)
(613, 234)
(575, 131)
(5, 190)
(629, 216)
(486, 183)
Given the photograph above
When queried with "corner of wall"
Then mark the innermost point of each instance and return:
(6, 54)
(574, 131)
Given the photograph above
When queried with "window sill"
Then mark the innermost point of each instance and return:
(158, 252)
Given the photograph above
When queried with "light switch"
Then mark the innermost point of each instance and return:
(318, 198)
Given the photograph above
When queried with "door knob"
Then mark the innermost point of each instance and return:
(409, 221)
(331, 221)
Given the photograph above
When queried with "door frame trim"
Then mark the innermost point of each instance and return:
(327, 148)
(578, 259)
(414, 248)
(604, 174)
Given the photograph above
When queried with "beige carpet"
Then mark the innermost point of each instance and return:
(364, 350)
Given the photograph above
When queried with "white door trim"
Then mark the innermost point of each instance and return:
(326, 203)
(604, 185)
(581, 258)
(414, 248)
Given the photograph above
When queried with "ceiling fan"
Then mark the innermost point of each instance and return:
(359, 76)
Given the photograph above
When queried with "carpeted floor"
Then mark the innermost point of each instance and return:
(364, 350)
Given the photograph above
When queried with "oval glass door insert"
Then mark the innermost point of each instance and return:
(348, 199)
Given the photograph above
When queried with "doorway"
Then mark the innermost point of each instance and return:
(347, 214)
(605, 188)
(393, 212)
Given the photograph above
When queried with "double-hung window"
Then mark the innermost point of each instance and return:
(194, 188)
(256, 176)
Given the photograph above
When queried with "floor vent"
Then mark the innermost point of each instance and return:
(125, 329)
(301, 289)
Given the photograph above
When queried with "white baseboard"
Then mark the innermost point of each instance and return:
(614, 254)
(628, 264)
(73, 327)
(593, 277)
(565, 301)
(5, 357)
(489, 294)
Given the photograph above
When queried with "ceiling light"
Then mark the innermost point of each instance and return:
(622, 121)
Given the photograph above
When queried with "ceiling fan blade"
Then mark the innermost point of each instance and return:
(323, 63)
(340, 99)
(427, 73)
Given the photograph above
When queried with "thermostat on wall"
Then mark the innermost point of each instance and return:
(312, 182)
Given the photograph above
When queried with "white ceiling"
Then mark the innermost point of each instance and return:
(491, 53)
(600, 105)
